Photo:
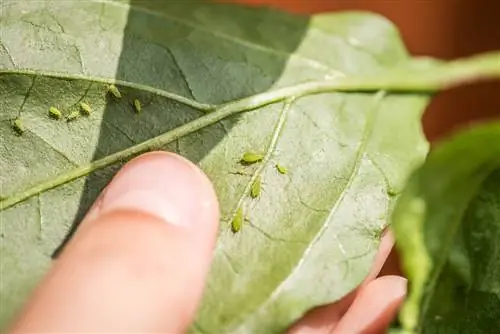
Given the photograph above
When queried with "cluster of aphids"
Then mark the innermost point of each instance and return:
(251, 158)
(84, 109)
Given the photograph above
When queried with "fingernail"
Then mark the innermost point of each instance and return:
(161, 184)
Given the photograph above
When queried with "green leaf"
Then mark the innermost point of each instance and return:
(447, 227)
(215, 81)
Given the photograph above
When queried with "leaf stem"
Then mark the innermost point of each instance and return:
(403, 80)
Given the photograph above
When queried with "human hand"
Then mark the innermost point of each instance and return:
(139, 260)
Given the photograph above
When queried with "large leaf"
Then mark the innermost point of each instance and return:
(447, 225)
(312, 234)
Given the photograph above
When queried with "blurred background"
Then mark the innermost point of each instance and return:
(445, 29)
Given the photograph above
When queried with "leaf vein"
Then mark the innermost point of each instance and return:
(273, 238)
(181, 72)
(40, 217)
(271, 147)
(230, 262)
(251, 45)
(362, 146)
(388, 185)
(120, 130)
(160, 92)
(26, 96)
(55, 149)
(11, 58)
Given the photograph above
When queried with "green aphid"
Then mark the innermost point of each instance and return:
(251, 158)
(137, 106)
(237, 221)
(85, 108)
(377, 233)
(281, 169)
(18, 126)
(72, 116)
(391, 192)
(113, 90)
(55, 113)
(255, 189)
(241, 172)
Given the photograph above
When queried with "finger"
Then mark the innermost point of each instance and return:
(374, 308)
(323, 319)
(384, 250)
(140, 264)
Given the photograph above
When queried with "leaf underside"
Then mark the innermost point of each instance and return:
(344, 151)
(447, 226)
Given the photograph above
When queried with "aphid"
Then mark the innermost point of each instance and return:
(137, 106)
(113, 90)
(18, 126)
(55, 113)
(391, 192)
(251, 158)
(377, 233)
(255, 189)
(281, 169)
(74, 115)
(85, 108)
(237, 221)
(241, 172)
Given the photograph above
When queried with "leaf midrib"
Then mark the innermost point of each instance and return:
(407, 81)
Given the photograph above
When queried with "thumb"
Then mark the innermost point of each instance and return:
(139, 260)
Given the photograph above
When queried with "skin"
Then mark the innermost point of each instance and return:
(139, 260)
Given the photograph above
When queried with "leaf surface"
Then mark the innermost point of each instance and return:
(310, 236)
(447, 230)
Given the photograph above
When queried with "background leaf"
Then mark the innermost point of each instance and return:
(311, 235)
(447, 230)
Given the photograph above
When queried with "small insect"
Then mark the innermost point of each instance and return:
(55, 113)
(137, 106)
(391, 192)
(255, 189)
(113, 90)
(377, 233)
(85, 108)
(18, 126)
(72, 116)
(281, 169)
(251, 158)
(237, 221)
(240, 172)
